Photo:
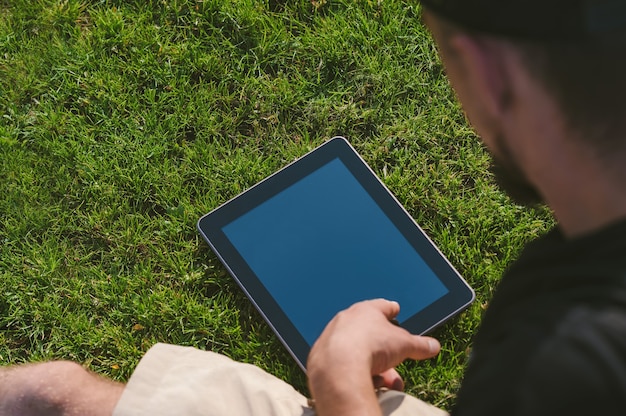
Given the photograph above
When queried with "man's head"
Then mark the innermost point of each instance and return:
(572, 52)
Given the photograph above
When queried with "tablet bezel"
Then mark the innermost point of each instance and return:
(210, 226)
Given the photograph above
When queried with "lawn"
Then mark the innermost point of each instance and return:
(123, 122)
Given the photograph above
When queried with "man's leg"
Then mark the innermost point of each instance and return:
(175, 380)
(56, 388)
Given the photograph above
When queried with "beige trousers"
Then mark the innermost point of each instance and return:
(173, 380)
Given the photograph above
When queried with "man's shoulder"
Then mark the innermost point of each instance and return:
(550, 364)
(581, 368)
(589, 339)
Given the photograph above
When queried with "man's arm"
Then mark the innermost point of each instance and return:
(356, 353)
(56, 388)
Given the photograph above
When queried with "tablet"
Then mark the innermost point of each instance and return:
(322, 234)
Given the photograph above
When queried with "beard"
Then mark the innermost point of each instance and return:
(511, 179)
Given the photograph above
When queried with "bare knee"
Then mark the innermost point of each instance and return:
(57, 388)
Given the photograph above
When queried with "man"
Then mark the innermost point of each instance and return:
(542, 82)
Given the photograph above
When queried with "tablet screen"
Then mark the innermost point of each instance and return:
(323, 244)
(323, 233)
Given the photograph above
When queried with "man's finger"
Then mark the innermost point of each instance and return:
(424, 347)
(389, 379)
(389, 308)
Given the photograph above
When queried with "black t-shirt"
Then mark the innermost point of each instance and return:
(553, 339)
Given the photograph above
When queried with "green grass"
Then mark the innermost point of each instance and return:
(122, 122)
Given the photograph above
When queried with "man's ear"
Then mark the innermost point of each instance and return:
(483, 65)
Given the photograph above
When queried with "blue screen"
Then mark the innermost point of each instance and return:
(323, 244)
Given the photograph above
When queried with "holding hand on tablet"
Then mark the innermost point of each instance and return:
(358, 346)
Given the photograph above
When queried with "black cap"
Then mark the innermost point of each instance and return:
(536, 19)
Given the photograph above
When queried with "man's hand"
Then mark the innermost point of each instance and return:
(356, 353)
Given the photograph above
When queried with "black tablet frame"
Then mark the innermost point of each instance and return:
(210, 226)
